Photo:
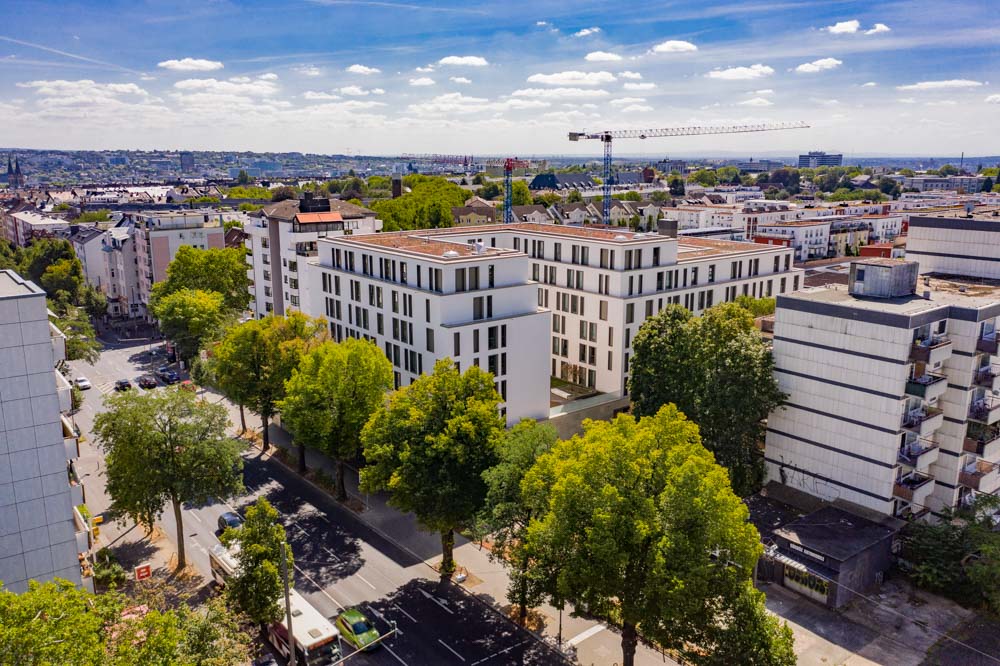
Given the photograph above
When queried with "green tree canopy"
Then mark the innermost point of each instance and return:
(948, 170)
(284, 192)
(331, 395)
(91, 216)
(243, 178)
(81, 340)
(221, 270)
(257, 587)
(704, 177)
(166, 447)
(675, 184)
(430, 445)
(429, 202)
(638, 525)
(520, 194)
(719, 372)
(489, 190)
(249, 192)
(192, 318)
(574, 196)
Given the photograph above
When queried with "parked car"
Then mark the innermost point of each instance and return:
(357, 630)
(230, 519)
(123, 385)
(147, 382)
(83, 383)
(167, 376)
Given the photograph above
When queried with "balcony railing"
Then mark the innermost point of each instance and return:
(985, 410)
(986, 377)
(917, 454)
(987, 343)
(917, 417)
(923, 350)
(919, 385)
(906, 485)
(973, 475)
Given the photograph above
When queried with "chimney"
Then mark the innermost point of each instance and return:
(667, 228)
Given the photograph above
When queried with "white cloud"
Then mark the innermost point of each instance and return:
(457, 103)
(756, 101)
(870, 84)
(270, 76)
(309, 70)
(818, 65)
(637, 108)
(993, 99)
(467, 61)
(422, 81)
(459, 79)
(362, 69)
(630, 75)
(541, 24)
(377, 91)
(674, 46)
(256, 88)
(324, 96)
(555, 93)
(906, 100)
(353, 91)
(765, 91)
(424, 70)
(587, 105)
(573, 78)
(147, 77)
(190, 65)
(943, 102)
(625, 101)
(240, 79)
(586, 32)
(844, 27)
(638, 86)
(741, 73)
(63, 88)
(602, 56)
(941, 85)
(878, 28)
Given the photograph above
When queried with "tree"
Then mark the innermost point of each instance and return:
(479, 179)
(987, 185)
(81, 340)
(574, 196)
(676, 186)
(221, 270)
(331, 395)
(757, 307)
(704, 177)
(257, 587)
(91, 216)
(166, 447)
(243, 178)
(490, 190)
(507, 515)
(63, 277)
(659, 196)
(429, 447)
(191, 318)
(638, 525)
(947, 170)
(907, 172)
(284, 192)
(410, 211)
(93, 301)
(718, 370)
(255, 359)
(520, 194)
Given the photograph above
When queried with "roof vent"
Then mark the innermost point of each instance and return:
(621, 237)
(450, 254)
(927, 294)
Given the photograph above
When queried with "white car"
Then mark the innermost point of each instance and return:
(82, 383)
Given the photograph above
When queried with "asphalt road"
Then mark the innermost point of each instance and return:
(339, 561)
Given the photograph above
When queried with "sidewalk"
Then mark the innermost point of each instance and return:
(585, 641)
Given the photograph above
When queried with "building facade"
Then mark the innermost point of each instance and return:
(817, 158)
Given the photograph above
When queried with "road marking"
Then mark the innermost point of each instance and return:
(413, 619)
(365, 581)
(320, 587)
(383, 618)
(393, 654)
(497, 654)
(436, 600)
(324, 519)
(331, 553)
(302, 531)
(451, 650)
(584, 635)
(195, 516)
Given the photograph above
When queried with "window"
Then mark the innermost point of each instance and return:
(477, 308)
(460, 279)
(630, 313)
(457, 344)
(491, 337)
(491, 273)
(603, 310)
(430, 337)
(475, 341)
(503, 335)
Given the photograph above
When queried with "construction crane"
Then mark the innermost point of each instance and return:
(508, 164)
(607, 135)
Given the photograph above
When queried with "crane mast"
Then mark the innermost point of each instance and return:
(509, 164)
(607, 136)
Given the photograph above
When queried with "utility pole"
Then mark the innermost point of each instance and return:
(288, 605)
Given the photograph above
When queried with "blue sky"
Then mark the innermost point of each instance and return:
(907, 77)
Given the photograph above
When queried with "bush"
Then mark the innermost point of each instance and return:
(108, 571)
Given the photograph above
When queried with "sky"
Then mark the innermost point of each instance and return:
(904, 77)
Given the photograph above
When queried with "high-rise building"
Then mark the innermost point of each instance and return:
(817, 158)
(41, 535)
(187, 162)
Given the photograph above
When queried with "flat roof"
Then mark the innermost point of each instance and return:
(835, 533)
(313, 218)
(987, 213)
(689, 248)
(943, 291)
(13, 285)
(425, 244)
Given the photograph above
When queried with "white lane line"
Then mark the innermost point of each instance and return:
(301, 531)
(324, 519)
(331, 553)
(393, 653)
(412, 619)
(584, 635)
(320, 587)
(196, 516)
(383, 618)
(451, 650)
(437, 601)
(497, 654)
(365, 581)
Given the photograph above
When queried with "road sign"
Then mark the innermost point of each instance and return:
(143, 572)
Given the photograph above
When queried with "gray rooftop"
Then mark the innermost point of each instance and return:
(13, 285)
(835, 533)
(943, 290)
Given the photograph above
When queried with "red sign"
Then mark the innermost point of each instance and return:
(143, 572)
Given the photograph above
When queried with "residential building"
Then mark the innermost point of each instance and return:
(23, 226)
(187, 162)
(890, 385)
(847, 237)
(89, 248)
(942, 183)
(810, 238)
(121, 279)
(41, 534)
(562, 181)
(536, 214)
(962, 242)
(817, 158)
(284, 235)
(466, 216)
(576, 213)
(760, 166)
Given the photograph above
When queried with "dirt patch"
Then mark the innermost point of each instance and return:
(979, 643)
(535, 620)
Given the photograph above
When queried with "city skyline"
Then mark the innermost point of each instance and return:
(903, 78)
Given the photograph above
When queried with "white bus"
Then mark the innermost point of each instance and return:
(223, 562)
(316, 639)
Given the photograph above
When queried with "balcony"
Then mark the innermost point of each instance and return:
(913, 488)
(58, 344)
(929, 387)
(932, 351)
(987, 378)
(980, 475)
(65, 392)
(70, 440)
(987, 343)
(985, 410)
(918, 455)
(923, 421)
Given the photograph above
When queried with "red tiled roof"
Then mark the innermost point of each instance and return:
(313, 218)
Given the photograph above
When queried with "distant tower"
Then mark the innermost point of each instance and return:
(10, 172)
(15, 179)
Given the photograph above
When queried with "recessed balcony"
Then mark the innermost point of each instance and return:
(918, 455)
(988, 378)
(929, 386)
(913, 488)
(923, 421)
(980, 475)
(932, 350)
(982, 440)
(987, 343)
(985, 410)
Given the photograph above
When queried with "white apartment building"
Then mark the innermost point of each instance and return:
(422, 298)
(809, 238)
(121, 273)
(21, 227)
(957, 242)
(283, 236)
(159, 234)
(88, 246)
(599, 284)
(41, 534)
(890, 384)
